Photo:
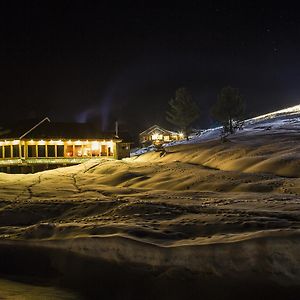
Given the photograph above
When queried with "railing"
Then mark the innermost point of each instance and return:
(46, 160)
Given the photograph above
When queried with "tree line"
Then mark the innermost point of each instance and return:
(228, 110)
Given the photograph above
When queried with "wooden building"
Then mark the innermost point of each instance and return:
(59, 144)
(157, 135)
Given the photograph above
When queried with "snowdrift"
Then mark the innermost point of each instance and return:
(225, 209)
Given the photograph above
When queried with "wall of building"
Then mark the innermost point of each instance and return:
(56, 149)
(123, 150)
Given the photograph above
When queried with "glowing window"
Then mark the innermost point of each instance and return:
(95, 146)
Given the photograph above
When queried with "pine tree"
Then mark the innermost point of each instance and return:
(229, 109)
(183, 110)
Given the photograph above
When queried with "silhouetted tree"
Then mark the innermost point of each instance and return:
(229, 109)
(183, 110)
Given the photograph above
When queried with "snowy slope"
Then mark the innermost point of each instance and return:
(223, 209)
(284, 119)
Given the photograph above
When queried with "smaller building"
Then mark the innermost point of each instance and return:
(156, 135)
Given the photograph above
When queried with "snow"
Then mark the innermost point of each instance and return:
(220, 208)
(281, 120)
(283, 112)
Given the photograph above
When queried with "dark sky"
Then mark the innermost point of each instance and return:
(107, 60)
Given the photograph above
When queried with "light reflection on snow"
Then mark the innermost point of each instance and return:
(284, 119)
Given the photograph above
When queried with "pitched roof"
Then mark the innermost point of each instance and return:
(156, 127)
(59, 130)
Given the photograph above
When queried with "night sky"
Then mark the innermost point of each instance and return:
(106, 60)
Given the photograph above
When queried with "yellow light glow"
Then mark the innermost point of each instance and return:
(155, 136)
(41, 142)
(95, 146)
(16, 142)
(181, 135)
(86, 151)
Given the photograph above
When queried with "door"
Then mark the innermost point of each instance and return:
(103, 150)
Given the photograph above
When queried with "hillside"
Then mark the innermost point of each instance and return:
(219, 210)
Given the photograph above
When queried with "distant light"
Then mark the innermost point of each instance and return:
(181, 135)
(290, 110)
(155, 136)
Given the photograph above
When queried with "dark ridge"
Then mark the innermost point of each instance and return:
(97, 279)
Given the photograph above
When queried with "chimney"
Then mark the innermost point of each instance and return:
(117, 129)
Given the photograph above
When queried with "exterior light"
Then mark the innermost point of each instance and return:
(95, 146)
(181, 135)
(155, 136)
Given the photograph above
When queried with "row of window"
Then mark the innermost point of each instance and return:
(159, 137)
(13, 151)
(32, 151)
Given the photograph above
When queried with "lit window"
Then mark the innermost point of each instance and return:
(95, 146)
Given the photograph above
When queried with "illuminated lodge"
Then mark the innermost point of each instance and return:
(157, 135)
(49, 145)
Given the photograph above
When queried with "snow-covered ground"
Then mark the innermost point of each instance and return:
(284, 119)
(214, 211)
